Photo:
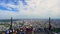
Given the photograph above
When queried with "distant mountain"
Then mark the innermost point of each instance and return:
(7, 20)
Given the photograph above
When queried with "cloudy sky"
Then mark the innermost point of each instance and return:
(29, 9)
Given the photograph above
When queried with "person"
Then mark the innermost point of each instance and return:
(29, 30)
(7, 31)
(55, 33)
(3, 32)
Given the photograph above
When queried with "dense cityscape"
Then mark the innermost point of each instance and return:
(30, 26)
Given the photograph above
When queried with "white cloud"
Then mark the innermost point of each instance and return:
(36, 8)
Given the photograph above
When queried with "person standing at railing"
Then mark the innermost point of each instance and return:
(3, 33)
(29, 30)
(7, 32)
(33, 30)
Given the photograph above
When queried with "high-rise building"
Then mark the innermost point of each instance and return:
(49, 23)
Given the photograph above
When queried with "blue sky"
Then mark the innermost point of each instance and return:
(29, 9)
(12, 2)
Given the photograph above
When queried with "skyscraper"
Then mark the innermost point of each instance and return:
(49, 23)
